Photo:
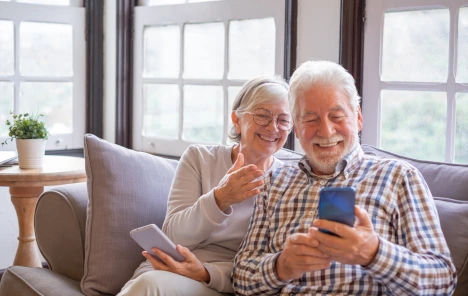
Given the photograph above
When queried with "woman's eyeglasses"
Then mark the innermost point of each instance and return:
(263, 117)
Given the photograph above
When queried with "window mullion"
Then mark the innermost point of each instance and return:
(181, 80)
(451, 91)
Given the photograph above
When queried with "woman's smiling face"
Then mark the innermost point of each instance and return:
(262, 141)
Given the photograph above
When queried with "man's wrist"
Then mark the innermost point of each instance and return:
(374, 250)
(279, 269)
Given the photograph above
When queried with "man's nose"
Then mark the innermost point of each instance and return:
(326, 128)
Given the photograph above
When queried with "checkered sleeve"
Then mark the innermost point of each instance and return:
(419, 263)
(254, 270)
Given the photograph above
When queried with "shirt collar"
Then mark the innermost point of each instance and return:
(345, 165)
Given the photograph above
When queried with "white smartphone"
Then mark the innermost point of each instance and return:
(150, 236)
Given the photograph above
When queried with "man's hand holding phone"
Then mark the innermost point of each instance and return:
(350, 245)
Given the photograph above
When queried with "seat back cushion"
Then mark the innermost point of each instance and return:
(127, 189)
(444, 179)
(449, 186)
(453, 215)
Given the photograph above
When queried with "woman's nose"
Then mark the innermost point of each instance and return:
(273, 124)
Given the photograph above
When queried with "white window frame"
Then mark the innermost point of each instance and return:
(70, 15)
(372, 83)
(218, 11)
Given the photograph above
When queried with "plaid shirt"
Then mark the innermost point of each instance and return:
(412, 259)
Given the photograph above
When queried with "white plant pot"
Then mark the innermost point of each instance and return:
(30, 153)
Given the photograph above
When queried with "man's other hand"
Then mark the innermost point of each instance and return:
(300, 255)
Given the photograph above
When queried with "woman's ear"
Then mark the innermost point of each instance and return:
(235, 121)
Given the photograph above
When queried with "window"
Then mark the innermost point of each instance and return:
(190, 61)
(415, 97)
(42, 68)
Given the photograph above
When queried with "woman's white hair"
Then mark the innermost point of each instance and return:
(260, 90)
(312, 73)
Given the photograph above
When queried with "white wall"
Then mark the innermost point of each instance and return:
(8, 229)
(318, 38)
(318, 33)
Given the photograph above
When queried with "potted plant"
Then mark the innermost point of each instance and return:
(31, 135)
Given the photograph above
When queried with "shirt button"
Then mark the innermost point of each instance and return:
(323, 182)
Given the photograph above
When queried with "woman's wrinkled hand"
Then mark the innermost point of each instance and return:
(191, 267)
(238, 184)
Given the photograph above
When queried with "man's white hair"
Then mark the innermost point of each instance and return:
(312, 73)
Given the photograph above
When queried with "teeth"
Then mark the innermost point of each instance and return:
(267, 139)
(328, 144)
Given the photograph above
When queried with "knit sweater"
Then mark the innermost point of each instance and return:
(195, 221)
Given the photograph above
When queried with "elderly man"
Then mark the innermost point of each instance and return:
(396, 246)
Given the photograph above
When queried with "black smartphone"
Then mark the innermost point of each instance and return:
(337, 204)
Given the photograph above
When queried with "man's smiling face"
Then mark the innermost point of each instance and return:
(327, 126)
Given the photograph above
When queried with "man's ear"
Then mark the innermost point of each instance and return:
(360, 120)
(296, 131)
(235, 121)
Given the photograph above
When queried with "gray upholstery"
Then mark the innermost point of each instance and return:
(66, 205)
(449, 186)
(29, 281)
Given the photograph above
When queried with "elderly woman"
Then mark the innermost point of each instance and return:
(210, 203)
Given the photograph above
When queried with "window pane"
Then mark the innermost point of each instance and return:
(414, 123)
(47, 2)
(6, 48)
(193, 1)
(164, 2)
(53, 99)
(161, 111)
(170, 2)
(461, 135)
(46, 49)
(161, 61)
(251, 48)
(462, 66)
(204, 51)
(416, 46)
(203, 113)
(232, 94)
(6, 105)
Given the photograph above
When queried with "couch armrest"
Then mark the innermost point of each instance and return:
(60, 225)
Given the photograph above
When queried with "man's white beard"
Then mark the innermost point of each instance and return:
(325, 162)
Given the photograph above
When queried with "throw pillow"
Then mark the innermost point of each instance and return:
(127, 189)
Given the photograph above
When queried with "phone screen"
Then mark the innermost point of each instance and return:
(337, 204)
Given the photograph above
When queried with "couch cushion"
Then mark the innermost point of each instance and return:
(449, 186)
(27, 281)
(126, 189)
(444, 179)
(453, 215)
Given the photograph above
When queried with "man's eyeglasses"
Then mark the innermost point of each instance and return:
(263, 117)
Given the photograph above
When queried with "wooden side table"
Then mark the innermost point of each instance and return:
(26, 185)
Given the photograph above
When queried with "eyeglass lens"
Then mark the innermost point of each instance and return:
(264, 117)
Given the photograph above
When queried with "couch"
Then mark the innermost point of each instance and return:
(82, 229)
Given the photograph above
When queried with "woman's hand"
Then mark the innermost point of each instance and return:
(238, 184)
(191, 267)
